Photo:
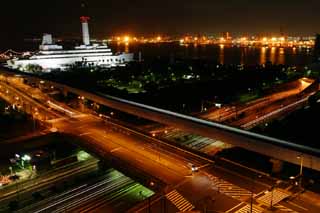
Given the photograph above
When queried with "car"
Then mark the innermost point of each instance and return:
(194, 168)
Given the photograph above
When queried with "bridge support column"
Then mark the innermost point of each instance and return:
(277, 165)
(65, 92)
(27, 108)
(41, 86)
(82, 106)
(95, 106)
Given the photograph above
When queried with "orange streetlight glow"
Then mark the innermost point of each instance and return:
(126, 39)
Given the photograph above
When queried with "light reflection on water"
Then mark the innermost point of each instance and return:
(220, 53)
(263, 56)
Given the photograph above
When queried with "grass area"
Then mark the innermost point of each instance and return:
(133, 87)
(246, 97)
(82, 155)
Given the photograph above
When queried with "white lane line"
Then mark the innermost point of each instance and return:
(236, 206)
(115, 149)
(86, 133)
(297, 205)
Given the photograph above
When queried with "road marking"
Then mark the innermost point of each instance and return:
(294, 204)
(247, 208)
(179, 201)
(276, 195)
(264, 117)
(205, 165)
(284, 209)
(229, 189)
(115, 149)
(289, 187)
(236, 206)
(86, 133)
(55, 120)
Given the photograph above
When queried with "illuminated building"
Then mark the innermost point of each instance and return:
(53, 57)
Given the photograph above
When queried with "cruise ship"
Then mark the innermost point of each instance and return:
(53, 57)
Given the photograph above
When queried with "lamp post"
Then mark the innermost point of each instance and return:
(271, 200)
(272, 189)
(251, 199)
(301, 169)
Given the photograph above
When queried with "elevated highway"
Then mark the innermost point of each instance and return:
(275, 148)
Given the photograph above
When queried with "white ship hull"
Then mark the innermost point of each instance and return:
(63, 62)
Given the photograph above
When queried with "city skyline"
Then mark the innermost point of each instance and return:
(166, 17)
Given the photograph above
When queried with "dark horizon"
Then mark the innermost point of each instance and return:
(28, 19)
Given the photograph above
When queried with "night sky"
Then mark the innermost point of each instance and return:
(25, 19)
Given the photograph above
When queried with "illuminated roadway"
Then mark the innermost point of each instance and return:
(239, 115)
(169, 164)
(111, 187)
(125, 144)
(278, 149)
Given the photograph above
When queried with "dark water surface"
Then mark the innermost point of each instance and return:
(222, 54)
(215, 53)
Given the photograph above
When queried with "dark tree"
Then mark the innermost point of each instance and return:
(316, 51)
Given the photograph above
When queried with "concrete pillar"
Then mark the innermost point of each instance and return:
(65, 92)
(96, 106)
(277, 165)
(82, 106)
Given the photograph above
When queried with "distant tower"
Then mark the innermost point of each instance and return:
(47, 39)
(226, 35)
(85, 30)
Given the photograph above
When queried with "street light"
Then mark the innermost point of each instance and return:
(251, 199)
(272, 189)
(301, 169)
(25, 158)
(293, 179)
(271, 200)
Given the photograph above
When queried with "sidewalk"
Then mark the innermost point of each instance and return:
(311, 197)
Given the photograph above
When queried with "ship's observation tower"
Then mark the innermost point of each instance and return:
(85, 30)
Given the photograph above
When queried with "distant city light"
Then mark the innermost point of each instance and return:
(126, 39)
(227, 40)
